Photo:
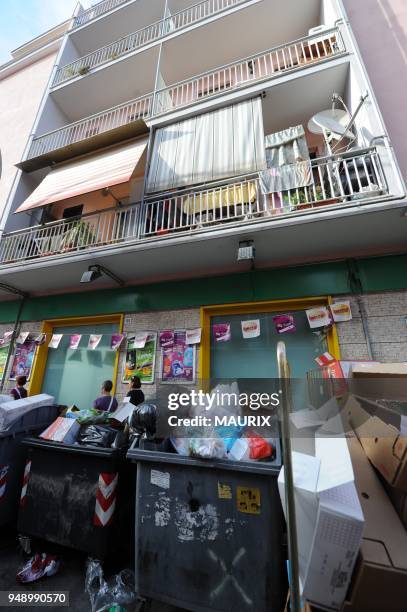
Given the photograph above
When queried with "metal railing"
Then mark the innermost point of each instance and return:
(262, 66)
(90, 231)
(142, 37)
(115, 117)
(328, 181)
(325, 181)
(237, 75)
(95, 11)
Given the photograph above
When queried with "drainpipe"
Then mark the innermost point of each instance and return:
(15, 330)
(357, 291)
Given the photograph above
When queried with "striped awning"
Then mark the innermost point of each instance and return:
(91, 173)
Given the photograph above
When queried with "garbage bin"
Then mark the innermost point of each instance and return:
(209, 533)
(12, 456)
(77, 496)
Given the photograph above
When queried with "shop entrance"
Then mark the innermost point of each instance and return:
(74, 376)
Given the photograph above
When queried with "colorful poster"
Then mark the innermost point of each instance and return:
(341, 311)
(41, 339)
(55, 340)
(94, 340)
(23, 360)
(178, 361)
(193, 336)
(166, 338)
(251, 329)
(6, 339)
(221, 332)
(284, 323)
(318, 317)
(141, 361)
(74, 341)
(3, 358)
(116, 341)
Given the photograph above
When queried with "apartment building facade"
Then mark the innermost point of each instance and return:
(211, 163)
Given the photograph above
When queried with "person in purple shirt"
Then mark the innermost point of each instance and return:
(106, 402)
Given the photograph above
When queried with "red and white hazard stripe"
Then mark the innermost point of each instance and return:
(105, 499)
(4, 470)
(26, 478)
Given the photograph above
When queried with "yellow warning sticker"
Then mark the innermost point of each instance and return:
(248, 500)
(224, 491)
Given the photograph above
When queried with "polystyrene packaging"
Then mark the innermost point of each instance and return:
(14, 409)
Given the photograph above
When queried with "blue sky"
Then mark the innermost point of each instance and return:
(21, 20)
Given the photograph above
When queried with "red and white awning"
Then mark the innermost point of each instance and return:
(91, 173)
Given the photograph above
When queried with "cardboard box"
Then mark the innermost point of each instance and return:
(379, 583)
(379, 381)
(383, 442)
(329, 521)
(62, 430)
(399, 500)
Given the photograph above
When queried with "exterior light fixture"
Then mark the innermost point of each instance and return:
(246, 251)
(96, 271)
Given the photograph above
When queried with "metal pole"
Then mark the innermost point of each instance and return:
(12, 341)
(284, 376)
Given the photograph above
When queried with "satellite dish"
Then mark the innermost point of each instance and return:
(333, 121)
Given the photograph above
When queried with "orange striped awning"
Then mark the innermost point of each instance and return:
(90, 173)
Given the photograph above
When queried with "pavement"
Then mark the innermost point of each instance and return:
(71, 576)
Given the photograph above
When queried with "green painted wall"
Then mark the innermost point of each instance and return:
(378, 274)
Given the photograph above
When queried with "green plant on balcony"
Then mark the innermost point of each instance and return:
(83, 70)
(70, 72)
(81, 234)
(114, 55)
(292, 200)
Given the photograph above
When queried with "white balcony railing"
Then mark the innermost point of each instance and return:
(98, 229)
(115, 117)
(259, 67)
(95, 11)
(142, 37)
(331, 181)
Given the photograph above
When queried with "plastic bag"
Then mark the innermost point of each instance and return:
(92, 416)
(109, 594)
(207, 448)
(143, 421)
(97, 435)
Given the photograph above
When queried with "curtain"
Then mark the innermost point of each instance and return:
(288, 162)
(223, 143)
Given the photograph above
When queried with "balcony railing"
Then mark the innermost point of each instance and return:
(120, 115)
(329, 181)
(95, 11)
(276, 61)
(259, 67)
(142, 37)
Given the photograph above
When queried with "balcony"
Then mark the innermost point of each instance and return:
(263, 66)
(124, 119)
(96, 11)
(354, 177)
(142, 37)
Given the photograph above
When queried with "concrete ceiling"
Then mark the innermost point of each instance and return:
(126, 20)
(331, 235)
(106, 87)
(253, 29)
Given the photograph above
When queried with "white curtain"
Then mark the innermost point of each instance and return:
(223, 143)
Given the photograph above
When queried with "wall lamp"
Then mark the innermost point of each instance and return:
(96, 271)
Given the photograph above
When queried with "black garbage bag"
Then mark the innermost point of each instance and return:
(144, 422)
(97, 435)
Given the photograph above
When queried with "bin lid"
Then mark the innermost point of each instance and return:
(74, 449)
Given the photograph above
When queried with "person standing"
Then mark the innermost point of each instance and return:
(106, 402)
(19, 391)
(135, 393)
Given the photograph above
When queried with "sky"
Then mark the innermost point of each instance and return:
(22, 20)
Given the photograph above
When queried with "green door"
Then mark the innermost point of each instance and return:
(75, 376)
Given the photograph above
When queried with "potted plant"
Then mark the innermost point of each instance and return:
(80, 235)
(83, 70)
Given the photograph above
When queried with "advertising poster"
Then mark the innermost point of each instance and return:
(94, 341)
(178, 361)
(23, 360)
(74, 341)
(341, 311)
(140, 361)
(3, 358)
(284, 323)
(251, 329)
(222, 332)
(115, 341)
